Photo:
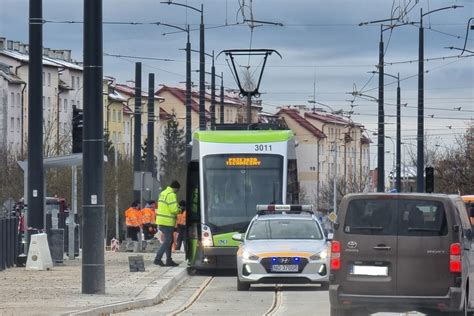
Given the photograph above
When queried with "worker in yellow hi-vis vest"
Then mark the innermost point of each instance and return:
(166, 220)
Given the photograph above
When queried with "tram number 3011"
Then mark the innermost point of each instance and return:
(261, 147)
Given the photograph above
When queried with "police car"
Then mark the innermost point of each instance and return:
(283, 244)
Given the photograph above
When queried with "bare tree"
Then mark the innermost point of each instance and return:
(454, 167)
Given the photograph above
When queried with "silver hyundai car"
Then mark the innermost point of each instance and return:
(283, 247)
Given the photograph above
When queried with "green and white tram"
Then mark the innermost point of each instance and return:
(230, 172)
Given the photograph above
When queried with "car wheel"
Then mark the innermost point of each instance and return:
(242, 286)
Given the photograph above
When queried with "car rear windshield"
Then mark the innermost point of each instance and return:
(403, 217)
(284, 229)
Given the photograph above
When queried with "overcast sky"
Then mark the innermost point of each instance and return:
(320, 43)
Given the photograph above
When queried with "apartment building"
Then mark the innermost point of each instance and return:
(10, 111)
(62, 85)
(329, 147)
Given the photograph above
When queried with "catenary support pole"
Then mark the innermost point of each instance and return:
(381, 128)
(420, 182)
(202, 70)
(188, 100)
(93, 270)
(221, 112)
(213, 94)
(137, 136)
(249, 108)
(335, 178)
(150, 149)
(399, 139)
(35, 216)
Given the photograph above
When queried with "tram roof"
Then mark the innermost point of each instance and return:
(246, 136)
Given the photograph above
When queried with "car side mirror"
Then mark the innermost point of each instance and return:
(238, 237)
(330, 236)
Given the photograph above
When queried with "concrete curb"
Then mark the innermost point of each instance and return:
(167, 283)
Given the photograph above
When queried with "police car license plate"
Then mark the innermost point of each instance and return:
(285, 268)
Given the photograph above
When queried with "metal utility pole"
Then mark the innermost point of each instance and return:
(117, 231)
(188, 100)
(222, 99)
(213, 94)
(335, 179)
(420, 127)
(35, 199)
(138, 125)
(420, 170)
(249, 108)
(202, 69)
(188, 86)
(381, 128)
(150, 151)
(398, 183)
(93, 270)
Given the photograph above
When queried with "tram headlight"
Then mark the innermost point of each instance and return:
(207, 242)
(206, 235)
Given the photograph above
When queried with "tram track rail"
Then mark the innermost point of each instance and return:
(277, 301)
(194, 298)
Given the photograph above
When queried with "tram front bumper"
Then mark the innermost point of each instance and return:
(216, 258)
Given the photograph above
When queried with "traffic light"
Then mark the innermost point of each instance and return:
(77, 124)
(429, 179)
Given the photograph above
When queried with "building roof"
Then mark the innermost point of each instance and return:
(164, 115)
(327, 117)
(294, 114)
(365, 140)
(180, 94)
(116, 96)
(8, 75)
(47, 61)
(128, 90)
(63, 63)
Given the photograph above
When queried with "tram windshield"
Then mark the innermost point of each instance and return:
(235, 184)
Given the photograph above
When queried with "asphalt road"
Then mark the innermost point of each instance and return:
(217, 295)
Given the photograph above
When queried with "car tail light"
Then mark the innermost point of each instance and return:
(455, 258)
(335, 255)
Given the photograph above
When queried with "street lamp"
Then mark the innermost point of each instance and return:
(188, 90)
(202, 62)
(420, 135)
(381, 129)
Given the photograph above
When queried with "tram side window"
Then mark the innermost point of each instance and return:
(293, 185)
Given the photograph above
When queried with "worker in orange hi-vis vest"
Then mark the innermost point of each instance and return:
(181, 228)
(149, 219)
(133, 220)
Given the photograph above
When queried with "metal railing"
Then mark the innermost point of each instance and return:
(9, 242)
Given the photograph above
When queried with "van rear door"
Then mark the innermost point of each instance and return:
(423, 248)
(369, 247)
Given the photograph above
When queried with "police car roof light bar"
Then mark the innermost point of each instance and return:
(284, 208)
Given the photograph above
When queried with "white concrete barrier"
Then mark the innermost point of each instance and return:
(39, 257)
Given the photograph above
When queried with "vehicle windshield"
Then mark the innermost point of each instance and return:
(235, 184)
(284, 229)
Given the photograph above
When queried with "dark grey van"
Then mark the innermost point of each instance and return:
(399, 253)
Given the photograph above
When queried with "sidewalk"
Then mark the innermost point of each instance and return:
(58, 291)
